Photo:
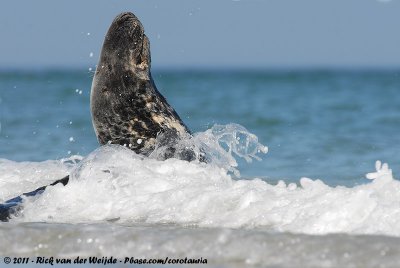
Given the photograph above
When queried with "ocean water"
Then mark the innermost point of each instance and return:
(308, 201)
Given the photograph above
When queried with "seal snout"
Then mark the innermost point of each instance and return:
(125, 37)
(128, 24)
(127, 17)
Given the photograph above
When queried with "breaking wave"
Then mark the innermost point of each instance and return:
(115, 184)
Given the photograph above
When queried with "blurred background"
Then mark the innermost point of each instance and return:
(316, 81)
(234, 34)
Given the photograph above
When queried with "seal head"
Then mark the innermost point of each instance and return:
(126, 107)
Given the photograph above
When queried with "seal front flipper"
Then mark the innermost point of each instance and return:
(126, 107)
(14, 205)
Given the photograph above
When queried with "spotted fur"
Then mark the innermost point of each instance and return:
(126, 107)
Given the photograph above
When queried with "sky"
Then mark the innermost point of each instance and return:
(207, 33)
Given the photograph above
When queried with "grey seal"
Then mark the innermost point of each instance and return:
(126, 107)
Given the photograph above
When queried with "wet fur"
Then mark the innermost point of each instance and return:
(127, 108)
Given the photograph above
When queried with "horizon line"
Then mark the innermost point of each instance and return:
(189, 68)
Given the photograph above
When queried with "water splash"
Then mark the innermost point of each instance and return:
(115, 184)
(217, 146)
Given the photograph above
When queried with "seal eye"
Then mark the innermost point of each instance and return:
(105, 91)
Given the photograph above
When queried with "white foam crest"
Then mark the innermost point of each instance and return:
(115, 184)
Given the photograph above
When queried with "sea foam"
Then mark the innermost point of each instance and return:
(115, 184)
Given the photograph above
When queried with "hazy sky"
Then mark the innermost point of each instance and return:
(207, 33)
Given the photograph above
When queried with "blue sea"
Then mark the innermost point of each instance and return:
(307, 201)
(323, 124)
